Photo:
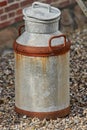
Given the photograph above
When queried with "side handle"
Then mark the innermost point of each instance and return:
(54, 37)
(20, 28)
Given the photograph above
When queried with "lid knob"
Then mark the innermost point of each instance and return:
(38, 4)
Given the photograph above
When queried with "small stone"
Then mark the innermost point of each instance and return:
(76, 121)
(1, 114)
(24, 116)
(31, 128)
(1, 101)
(1, 90)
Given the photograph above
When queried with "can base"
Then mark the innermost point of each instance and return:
(42, 115)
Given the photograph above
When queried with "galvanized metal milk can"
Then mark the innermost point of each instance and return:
(42, 64)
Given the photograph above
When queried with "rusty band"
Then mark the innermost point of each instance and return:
(42, 115)
(41, 51)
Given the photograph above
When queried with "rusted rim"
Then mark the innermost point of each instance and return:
(41, 51)
(47, 115)
(44, 51)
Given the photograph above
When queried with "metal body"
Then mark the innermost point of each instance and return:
(42, 70)
(42, 83)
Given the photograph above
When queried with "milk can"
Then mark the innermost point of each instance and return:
(42, 64)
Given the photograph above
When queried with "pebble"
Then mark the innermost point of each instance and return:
(1, 90)
(24, 117)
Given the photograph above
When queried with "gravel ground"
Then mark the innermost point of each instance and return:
(76, 120)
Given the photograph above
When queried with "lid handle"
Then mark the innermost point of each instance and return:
(38, 4)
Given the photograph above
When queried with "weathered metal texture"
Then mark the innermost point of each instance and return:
(34, 27)
(42, 83)
(41, 18)
(39, 40)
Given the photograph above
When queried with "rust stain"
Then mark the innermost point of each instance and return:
(47, 115)
(44, 63)
(18, 58)
(18, 63)
(40, 62)
(41, 51)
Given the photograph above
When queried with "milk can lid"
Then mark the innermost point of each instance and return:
(41, 11)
